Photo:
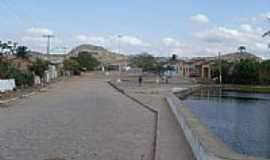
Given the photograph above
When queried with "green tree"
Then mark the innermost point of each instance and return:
(72, 65)
(39, 67)
(246, 72)
(87, 61)
(145, 61)
(174, 57)
(264, 73)
(22, 51)
(242, 49)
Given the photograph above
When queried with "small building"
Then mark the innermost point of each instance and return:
(196, 69)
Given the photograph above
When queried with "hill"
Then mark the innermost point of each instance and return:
(232, 57)
(102, 54)
(237, 56)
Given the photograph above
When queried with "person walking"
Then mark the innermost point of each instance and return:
(140, 79)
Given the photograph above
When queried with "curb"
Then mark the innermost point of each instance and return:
(155, 143)
(3, 102)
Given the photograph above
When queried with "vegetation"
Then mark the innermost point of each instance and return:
(147, 62)
(267, 34)
(72, 65)
(21, 51)
(8, 71)
(87, 62)
(242, 49)
(249, 88)
(84, 62)
(244, 72)
(39, 67)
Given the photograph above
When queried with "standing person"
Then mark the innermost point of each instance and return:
(140, 79)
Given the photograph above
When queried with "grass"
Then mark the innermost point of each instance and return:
(249, 88)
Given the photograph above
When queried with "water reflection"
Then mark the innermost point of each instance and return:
(242, 120)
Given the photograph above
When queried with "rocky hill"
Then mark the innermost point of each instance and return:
(102, 54)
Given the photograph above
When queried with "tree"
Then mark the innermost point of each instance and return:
(174, 57)
(145, 61)
(72, 65)
(39, 67)
(242, 49)
(87, 61)
(246, 72)
(267, 34)
(22, 51)
(264, 72)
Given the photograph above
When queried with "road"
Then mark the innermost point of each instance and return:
(78, 119)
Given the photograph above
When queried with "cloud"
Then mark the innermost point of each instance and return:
(111, 40)
(200, 18)
(133, 41)
(34, 40)
(36, 31)
(170, 42)
(246, 28)
(228, 39)
(266, 15)
(100, 41)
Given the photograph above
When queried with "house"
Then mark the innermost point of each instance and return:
(196, 68)
(193, 68)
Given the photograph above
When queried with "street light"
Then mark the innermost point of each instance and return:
(119, 52)
(220, 68)
(48, 36)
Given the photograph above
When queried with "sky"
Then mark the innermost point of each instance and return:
(187, 28)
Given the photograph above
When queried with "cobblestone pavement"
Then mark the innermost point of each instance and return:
(171, 140)
(80, 119)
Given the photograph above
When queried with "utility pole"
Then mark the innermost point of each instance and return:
(48, 37)
(119, 52)
(220, 68)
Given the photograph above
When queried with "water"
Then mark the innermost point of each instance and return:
(241, 120)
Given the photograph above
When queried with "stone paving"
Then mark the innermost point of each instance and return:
(171, 140)
(80, 119)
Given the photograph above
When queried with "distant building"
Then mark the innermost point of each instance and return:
(194, 68)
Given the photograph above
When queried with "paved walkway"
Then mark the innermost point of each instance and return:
(171, 140)
(80, 119)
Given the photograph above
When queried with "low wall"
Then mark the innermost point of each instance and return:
(7, 85)
(205, 145)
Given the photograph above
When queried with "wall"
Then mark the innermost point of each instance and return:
(7, 85)
(205, 145)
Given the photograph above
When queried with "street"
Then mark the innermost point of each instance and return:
(76, 119)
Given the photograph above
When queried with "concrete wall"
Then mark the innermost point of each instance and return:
(50, 74)
(205, 145)
(7, 85)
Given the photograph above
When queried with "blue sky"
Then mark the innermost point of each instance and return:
(187, 27)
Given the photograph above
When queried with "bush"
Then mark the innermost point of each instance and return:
(246, 72)
(72, 65)
(39, 67)
(264, 72)
(87, 61)
(21, 52)
(8, 71)
(145, 61)
(21, 78)
(4, 67)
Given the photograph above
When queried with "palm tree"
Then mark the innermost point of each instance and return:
(267, 34)
(1, 45)
(242, 49)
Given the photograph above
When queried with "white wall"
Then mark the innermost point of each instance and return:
(7, 85)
